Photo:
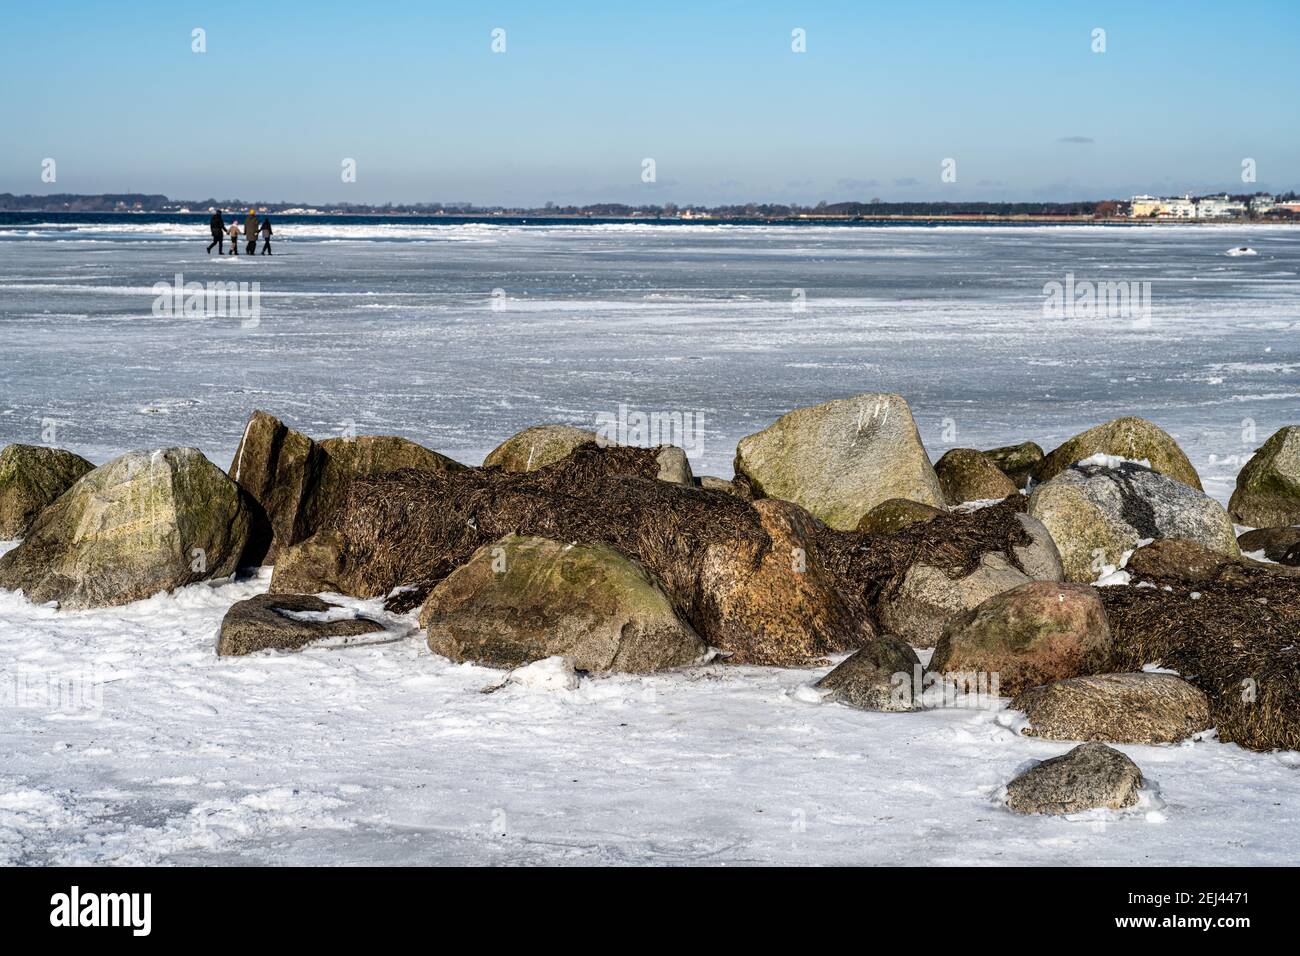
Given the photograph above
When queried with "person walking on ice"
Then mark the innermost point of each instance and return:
(266, 236)
(218, 234)
(233, 232)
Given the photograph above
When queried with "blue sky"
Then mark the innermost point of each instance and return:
(711, 91)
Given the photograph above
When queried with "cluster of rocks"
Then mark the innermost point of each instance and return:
(836, 534)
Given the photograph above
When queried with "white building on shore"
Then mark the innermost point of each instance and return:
(1219, 207)
(1185, 207)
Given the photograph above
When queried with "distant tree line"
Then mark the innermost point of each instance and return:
(156, 203)
(106, 202)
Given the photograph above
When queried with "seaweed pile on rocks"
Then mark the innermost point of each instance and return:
(836, 535)
(953, 542)
(1230, 627)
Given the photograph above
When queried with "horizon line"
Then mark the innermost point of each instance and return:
(210, 202)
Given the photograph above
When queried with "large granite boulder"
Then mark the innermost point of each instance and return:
(146, 522)
(896, 514)
(1099, 510)
(1268, 487)
(775, 601)
(380, 454)
(880, 676)
(280, 469)
(1135, 439)
(840, 459)
(524, 599)
(969, 475)
(1017, 462)
(299, 482)
(1032, 634)
(929, 598)
(1090, 776)
(1137, 708)
(31, 477)
(287, 622)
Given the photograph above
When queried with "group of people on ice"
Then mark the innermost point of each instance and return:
(251, 231)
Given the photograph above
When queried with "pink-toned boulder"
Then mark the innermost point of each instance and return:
(1034, 633)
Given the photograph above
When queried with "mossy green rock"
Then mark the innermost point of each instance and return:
(146, 522)
(896, 514)
(314, 565)
(31, 477)
(1268, 487)
(840, 459)
(379, 454)
(522, 599)
(537, 447)
(1017, 462)
(543, 445)
(969, 475)
(1133, 438)
(348, 458)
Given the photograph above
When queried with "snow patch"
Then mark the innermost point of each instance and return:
(550, 673)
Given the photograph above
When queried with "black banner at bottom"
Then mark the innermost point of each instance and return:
(243, 905)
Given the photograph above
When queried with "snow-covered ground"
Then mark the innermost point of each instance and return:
(389, 754)
(125, 739)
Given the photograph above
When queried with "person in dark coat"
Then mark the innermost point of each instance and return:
(266, 236)
(218, 233)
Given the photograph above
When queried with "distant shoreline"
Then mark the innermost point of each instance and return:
(24, 217)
